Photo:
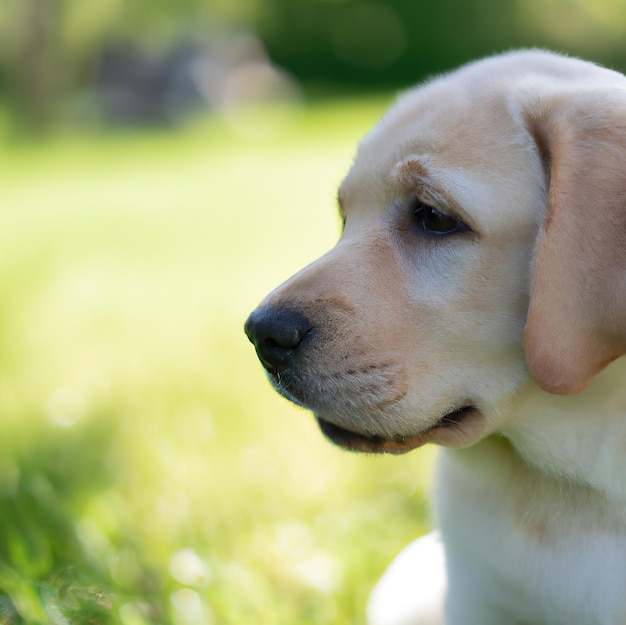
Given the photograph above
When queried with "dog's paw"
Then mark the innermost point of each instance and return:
(412, 589)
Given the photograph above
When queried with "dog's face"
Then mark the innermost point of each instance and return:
(411, 329)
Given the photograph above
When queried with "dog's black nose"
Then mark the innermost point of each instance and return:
(276, 333)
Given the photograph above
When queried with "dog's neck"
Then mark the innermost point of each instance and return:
(556, 470)
(581, 438)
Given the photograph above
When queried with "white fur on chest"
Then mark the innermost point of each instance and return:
(535, 524)
(551, 559)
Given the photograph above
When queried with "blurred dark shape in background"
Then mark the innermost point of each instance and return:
(134, 86)
(158, 62)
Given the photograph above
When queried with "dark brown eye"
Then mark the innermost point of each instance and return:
(432, 221)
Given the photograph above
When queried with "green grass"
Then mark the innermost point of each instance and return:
(148, 472)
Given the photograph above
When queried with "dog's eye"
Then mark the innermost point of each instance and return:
(431, 221)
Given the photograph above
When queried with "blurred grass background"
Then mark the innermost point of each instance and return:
(163, 166)
(148, 472)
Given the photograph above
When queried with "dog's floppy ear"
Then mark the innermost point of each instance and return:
(577, 316)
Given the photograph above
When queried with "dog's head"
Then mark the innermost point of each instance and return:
(485, 236)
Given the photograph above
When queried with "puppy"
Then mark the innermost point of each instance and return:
(477, 300)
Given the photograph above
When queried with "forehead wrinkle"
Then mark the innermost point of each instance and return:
(411, 173)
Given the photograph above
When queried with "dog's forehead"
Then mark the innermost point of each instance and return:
(471, 116)
(464, 131)
(442, 129)
(469, 128)
(455, 119)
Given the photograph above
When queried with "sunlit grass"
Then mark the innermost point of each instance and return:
(148, 473)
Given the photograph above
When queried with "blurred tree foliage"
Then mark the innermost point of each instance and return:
(398, 42)
(387, 44)
(48, 48)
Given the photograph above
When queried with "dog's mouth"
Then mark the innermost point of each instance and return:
(454, 429)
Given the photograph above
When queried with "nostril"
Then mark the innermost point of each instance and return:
(286, 337)
(276, 333)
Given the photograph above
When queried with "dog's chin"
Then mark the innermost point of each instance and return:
(458, 428)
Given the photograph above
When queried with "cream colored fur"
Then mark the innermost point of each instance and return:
(523, 318)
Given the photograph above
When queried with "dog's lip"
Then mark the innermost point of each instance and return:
(449, 430)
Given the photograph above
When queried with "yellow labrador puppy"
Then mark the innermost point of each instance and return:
(477, 300)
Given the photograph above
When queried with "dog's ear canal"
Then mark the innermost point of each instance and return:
(576, 320)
